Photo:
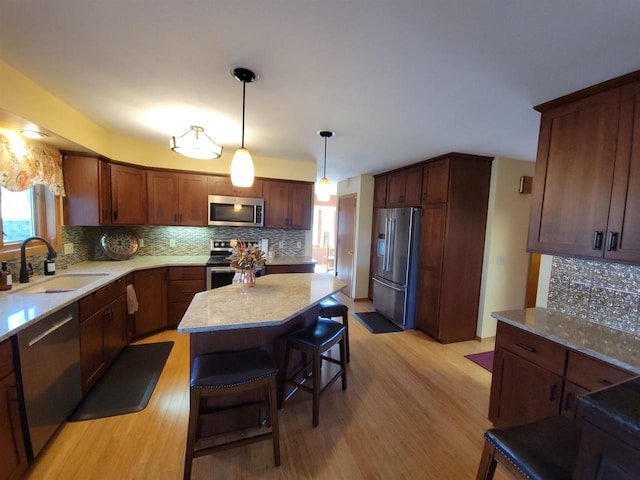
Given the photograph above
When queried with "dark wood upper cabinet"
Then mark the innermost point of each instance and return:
(88, 190)
(380, 191)
(221, 185)
(176, 198)
(288, 204)
(404, 187)
(128, 195)
(586, 191)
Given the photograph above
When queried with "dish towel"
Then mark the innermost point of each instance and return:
(132, 300)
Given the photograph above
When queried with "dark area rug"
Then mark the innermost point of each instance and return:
(484, 359)
(128, 384)
(376, 322)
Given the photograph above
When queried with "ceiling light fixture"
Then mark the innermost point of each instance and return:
(242, 171)
(34, 134)
(196, 144)
(323, 193)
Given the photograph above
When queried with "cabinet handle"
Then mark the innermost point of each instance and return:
(597, 240)
(568, 403)
(612, 241)
(552, 393)
(605, 382)
(175, 217)
(115, 215)
(526, 347)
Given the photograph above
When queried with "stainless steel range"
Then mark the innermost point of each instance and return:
(219, 270)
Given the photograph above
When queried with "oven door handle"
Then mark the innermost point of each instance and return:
(221, 270)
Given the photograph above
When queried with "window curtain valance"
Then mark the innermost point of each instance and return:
(24, 164)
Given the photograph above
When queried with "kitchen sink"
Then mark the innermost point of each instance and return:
(66, 282)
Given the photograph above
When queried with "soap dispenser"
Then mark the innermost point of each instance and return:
(49, 266)
(6, 280)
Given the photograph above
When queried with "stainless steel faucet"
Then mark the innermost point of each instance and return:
(24, 271)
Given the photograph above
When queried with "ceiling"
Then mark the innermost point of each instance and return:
(398, 81)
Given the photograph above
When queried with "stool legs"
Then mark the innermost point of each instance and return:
(487, 467)
(345, 322)
(273, 419)
(194, 405)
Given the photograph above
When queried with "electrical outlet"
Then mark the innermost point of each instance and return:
(68, 248)
(281, 244)
(141, 242)
(172, 242)
(298, 245)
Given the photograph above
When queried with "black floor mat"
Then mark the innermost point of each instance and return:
(128, 384)
(376, 322)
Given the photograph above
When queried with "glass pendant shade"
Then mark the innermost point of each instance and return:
(242, 171)
(196, 144)
(323, 190)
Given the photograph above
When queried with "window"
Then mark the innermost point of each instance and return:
(34, 211)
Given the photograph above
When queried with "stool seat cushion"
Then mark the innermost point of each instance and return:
(546, 449)
(228, 369)
(330, 308)
(318, 334)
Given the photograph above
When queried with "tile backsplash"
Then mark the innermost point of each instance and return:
(605, 293)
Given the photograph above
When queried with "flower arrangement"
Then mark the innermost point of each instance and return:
(247, 256)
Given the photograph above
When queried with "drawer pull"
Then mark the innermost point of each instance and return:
(605, 382)
(568, 404)
(597, 240)
(552, 393)
(526, 347)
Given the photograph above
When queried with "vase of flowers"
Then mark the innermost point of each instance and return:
(246, 258)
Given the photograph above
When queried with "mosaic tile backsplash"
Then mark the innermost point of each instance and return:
(604, 293)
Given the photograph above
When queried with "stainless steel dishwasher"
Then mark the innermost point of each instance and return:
(49, 354)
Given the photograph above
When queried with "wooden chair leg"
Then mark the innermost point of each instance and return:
(487, 467)
(273, 419)
(194, 405)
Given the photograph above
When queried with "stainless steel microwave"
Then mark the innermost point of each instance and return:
(236, 211)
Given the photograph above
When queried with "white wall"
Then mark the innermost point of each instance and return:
(362, 186)
(506, 261)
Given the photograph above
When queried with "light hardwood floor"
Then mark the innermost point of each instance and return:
(414, 409)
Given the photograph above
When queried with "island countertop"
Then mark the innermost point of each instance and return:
(274, 300)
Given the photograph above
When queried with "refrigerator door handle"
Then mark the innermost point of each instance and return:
(388, 285)
(391, 244)
(385, 260)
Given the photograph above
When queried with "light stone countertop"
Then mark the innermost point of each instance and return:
(610, 345)
(18, 310)
(274, 300)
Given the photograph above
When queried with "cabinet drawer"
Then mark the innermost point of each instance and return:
(6, 358)
(118, 287)
(93, 302)
(184, 290)
(534, 348)
(186, 273)
(593, 374)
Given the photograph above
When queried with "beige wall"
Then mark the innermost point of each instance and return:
(506, 262)
(21, 97)
(362, 186)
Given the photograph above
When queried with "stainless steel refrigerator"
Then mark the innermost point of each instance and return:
(396, 265)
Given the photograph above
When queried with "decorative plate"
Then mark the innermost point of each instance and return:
(119, 245)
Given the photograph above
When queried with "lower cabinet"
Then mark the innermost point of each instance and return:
(184, 283)
(535, 378)
(151, 291)
(13, 455)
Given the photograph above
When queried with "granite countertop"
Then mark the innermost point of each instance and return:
(613, 346)
(274, 300)
(18, 310)
(290, 260)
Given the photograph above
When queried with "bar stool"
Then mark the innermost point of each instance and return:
(331, 308)
(228, 373)
(314, 340)
(546, 449)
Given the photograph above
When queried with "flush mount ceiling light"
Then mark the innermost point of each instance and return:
(242, 171)
(34, 134)
(196, 144)
(323, 193)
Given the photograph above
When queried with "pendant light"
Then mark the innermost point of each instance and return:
(323, 193)
(196, 144)
(242, 171)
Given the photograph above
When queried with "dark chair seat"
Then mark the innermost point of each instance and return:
(314, 340)
(546, 449)
(229, 373)
(331, 308)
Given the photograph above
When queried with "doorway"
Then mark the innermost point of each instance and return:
(345, 245)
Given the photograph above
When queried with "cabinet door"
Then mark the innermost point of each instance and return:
(574, 172)
(432, 235)
(300, 206)
(193, 200)
(87, 185)
(623, 236)
(115, 334)
(435, 182)
(522, 392)
(404, 188)
(162, 197)
(151, 290)
(92, 358)
(380, 192)
(220, 185)
(128, 195)
(276, 204)
(13, 457)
